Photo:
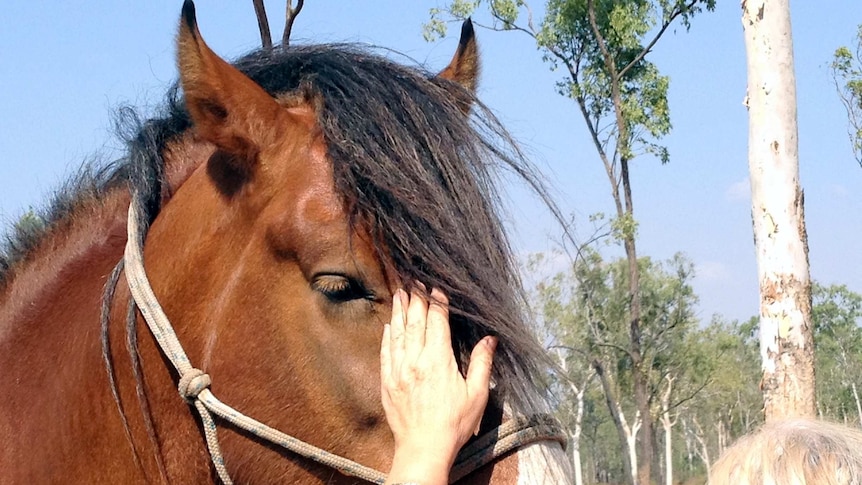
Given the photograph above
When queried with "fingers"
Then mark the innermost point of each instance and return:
(479, 376)
(397, 329)
(407, 329)
(386, 353)
(414, 331)
(437, 332)
(422, 390)
(479, 370)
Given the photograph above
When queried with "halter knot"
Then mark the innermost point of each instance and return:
(192, 383)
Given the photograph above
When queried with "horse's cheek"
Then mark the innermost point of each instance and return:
(352, 364)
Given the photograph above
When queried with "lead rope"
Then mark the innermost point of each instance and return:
(513, 434)
(194, 388)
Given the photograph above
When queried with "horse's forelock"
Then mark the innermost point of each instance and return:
(408, 161)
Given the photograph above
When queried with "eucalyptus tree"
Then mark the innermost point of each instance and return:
(725, 354)
(777, 212)
(566, 317)
(601, 47)
(585, 309)
(837, 314)
(846, 70)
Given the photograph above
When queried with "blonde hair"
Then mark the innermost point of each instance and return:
(793, 452)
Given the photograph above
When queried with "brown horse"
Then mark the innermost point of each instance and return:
(283, 200)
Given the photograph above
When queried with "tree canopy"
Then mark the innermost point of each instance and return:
(846, 70)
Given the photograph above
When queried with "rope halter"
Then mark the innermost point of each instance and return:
(194, 387)
(192, 383)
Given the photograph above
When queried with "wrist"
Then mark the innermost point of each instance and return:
(423, 463)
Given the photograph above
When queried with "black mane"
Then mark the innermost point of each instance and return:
(407, 161)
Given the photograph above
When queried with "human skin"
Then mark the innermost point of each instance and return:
(431, 408)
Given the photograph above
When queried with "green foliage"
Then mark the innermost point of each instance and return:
(729, 353)
(624, 227)
(595, 76)
(506, 11)
(435, 28)
(836, 314)
(846, 70)
(19, 239)
(585, 309)
(29, 223)
(716, 368)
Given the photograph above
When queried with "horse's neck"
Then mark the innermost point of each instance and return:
(73, 258)
(51, 377)
(53, 386)
(84, 247)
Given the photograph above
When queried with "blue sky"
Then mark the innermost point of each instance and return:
(68, 65)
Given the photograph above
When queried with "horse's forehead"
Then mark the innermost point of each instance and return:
(298, 168)
(310, 194)
(309, 213)
(309, 210)
(317, 214)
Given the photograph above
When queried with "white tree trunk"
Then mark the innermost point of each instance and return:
(668, 453)
(688, 453)
(627, 435)
(576, 435)
(667, 424)
(703, 450)
(579, 417)
(856, 399)
(631, 439)
(786, 344)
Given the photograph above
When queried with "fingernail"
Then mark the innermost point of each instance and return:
(438, 295)
(491, 342)
(400, 298)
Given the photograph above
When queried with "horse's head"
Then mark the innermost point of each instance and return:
(319, 180)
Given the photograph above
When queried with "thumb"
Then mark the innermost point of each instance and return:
(479, 372)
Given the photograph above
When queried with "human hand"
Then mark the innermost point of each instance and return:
(432, 409)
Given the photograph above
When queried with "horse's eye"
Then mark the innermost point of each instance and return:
(340, 288)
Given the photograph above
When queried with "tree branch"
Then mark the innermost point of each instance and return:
(514, 27)
(655, 38)
(262, 25)
(290, 14)
(600, 40)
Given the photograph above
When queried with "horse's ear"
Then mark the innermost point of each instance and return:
(228, 109)
(464, 67)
